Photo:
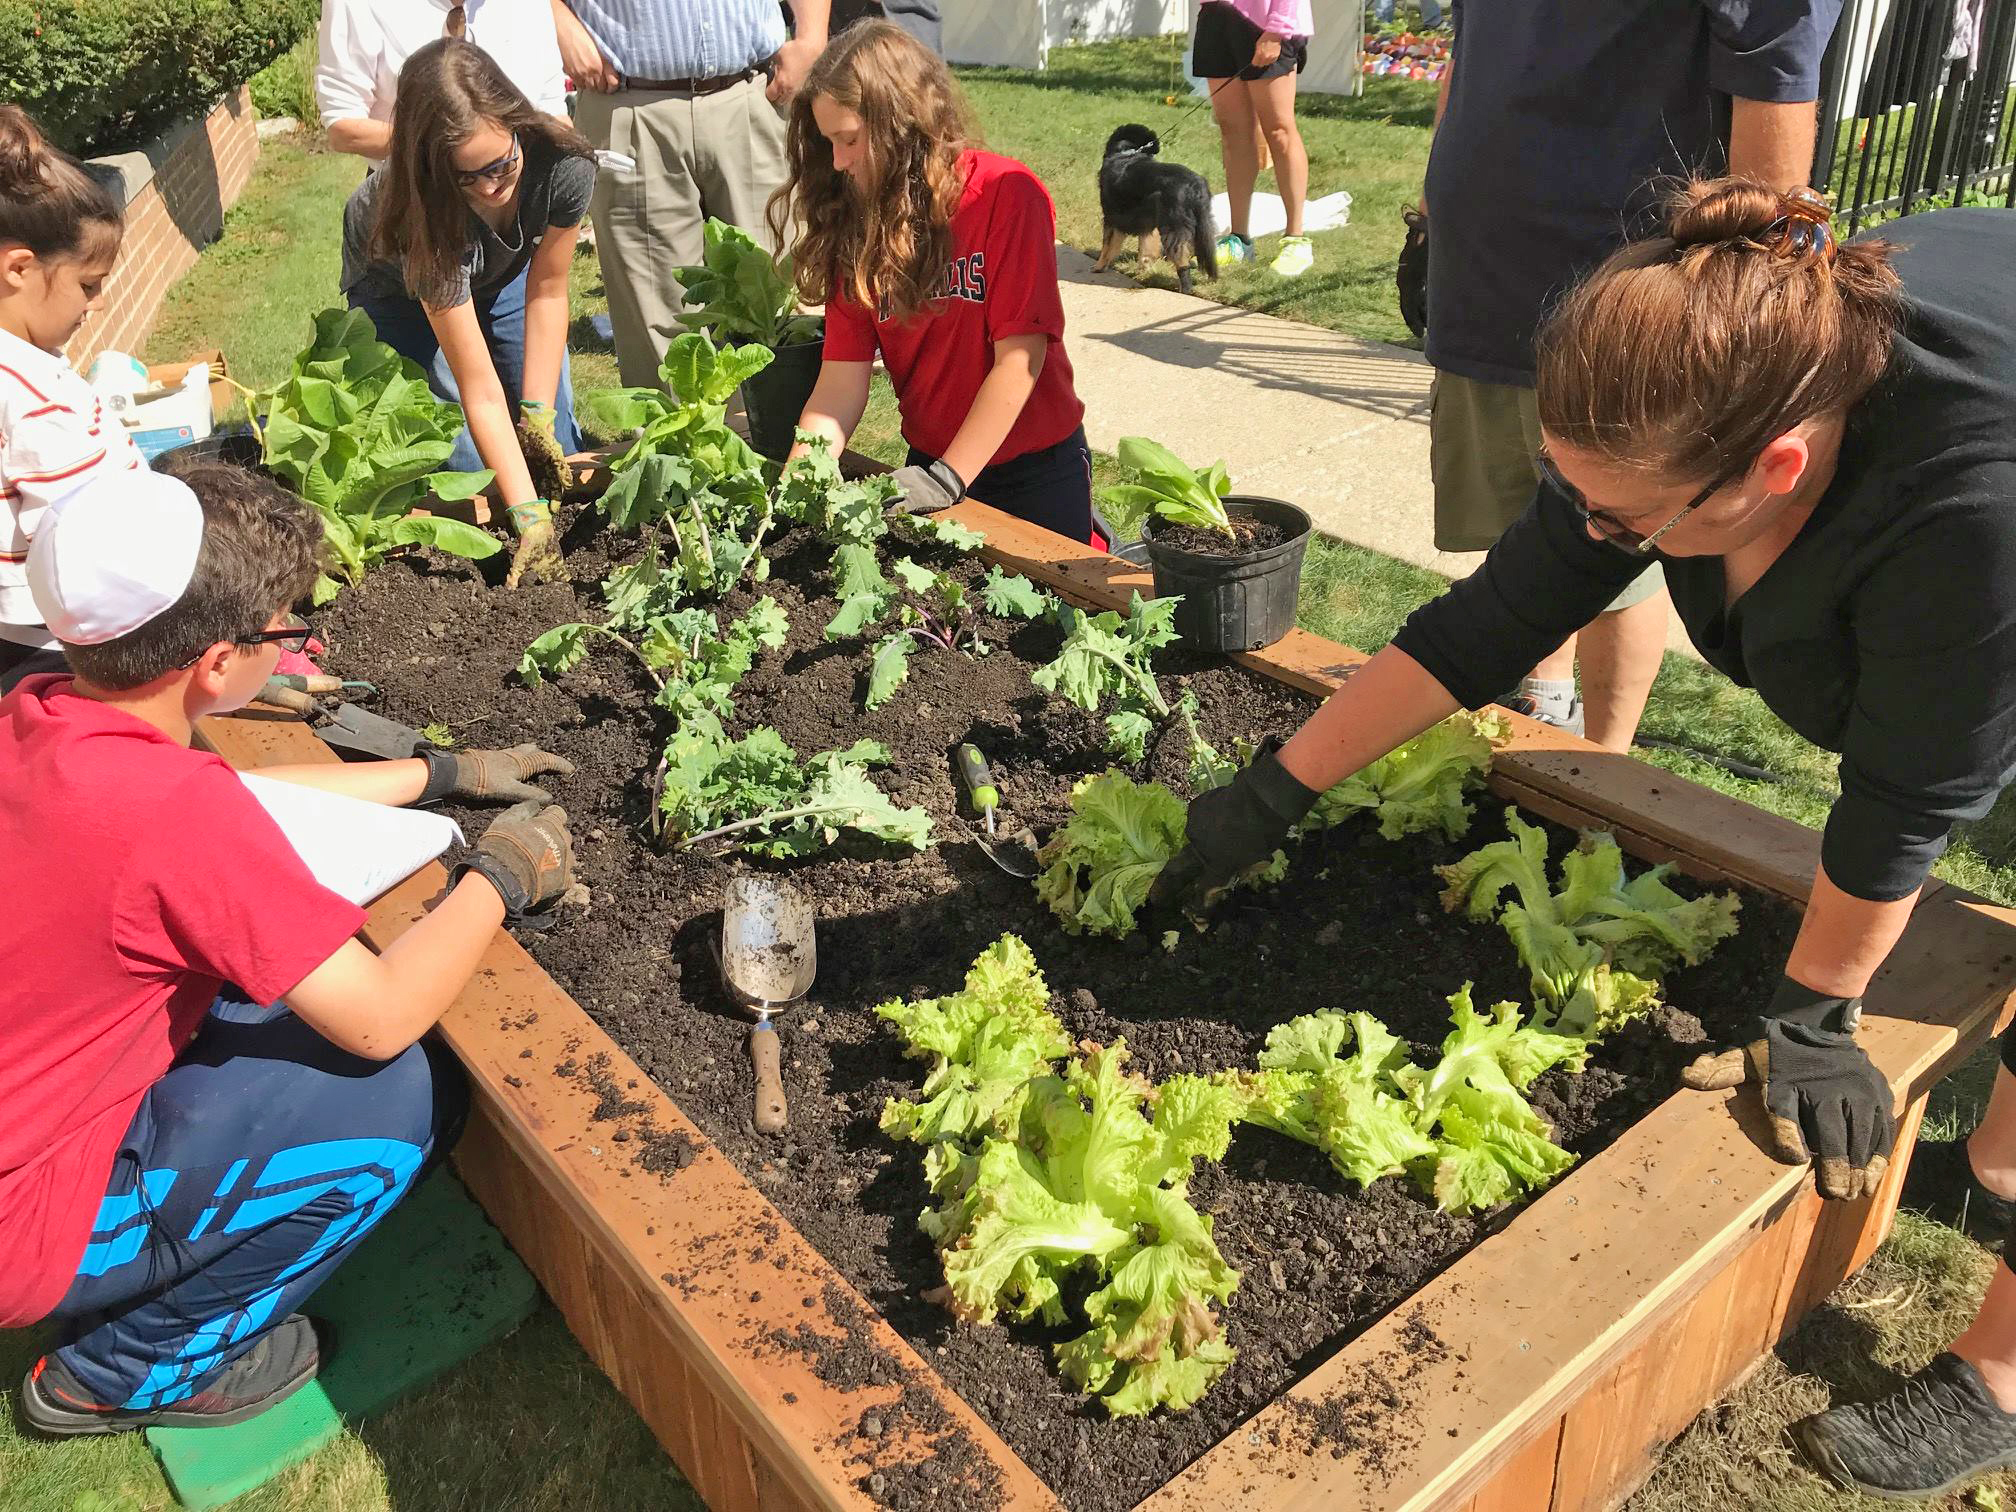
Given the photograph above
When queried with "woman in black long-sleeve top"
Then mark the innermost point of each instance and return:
(1818, 441)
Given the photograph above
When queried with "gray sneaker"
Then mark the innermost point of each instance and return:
(1934, 1433)
(281, 1363)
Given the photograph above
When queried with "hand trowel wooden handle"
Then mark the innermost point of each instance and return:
(772, 1113)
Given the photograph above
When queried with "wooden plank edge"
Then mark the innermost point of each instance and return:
(1685, 1189)
(713, 1211)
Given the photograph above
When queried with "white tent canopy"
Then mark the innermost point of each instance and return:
(1020, 33)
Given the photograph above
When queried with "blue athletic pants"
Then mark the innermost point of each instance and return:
(249, 1173)
(402, 325)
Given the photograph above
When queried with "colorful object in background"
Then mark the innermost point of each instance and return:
(1405, 55)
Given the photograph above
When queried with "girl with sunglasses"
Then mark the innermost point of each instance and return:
(1818, 441)
(458, 250)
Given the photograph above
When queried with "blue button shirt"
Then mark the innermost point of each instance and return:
(683, 39)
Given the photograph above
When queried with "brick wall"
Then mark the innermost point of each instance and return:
(177, 190)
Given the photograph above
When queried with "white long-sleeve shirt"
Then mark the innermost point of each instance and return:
(54, 438)
(364, 43)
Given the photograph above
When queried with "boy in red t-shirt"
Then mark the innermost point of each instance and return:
(943, 258)
(180, 1167)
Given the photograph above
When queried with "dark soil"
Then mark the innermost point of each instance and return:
(1251, 536)
(1357, 925)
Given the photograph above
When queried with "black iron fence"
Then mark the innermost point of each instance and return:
(1918, 108)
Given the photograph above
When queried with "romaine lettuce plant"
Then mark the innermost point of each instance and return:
(356, 431)
(738, 293)
(1165, 487)
(1596, 947)
(687, 473)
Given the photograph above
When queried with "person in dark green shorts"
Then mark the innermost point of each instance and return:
(1816, 441)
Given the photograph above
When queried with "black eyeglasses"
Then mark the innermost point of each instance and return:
(294, 637)
(1614, 531)
(495, 172)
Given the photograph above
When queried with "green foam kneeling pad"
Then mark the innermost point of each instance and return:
(430, 1287)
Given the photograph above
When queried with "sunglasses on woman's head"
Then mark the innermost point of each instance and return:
(294, 636)
(494, 172)
(1611, 529)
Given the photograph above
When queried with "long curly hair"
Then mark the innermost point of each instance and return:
(884, 244)
(448, 91)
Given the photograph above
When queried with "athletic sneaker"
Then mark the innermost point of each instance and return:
(1234, 248)
(1295, 258)
(1941, 1184)
(282, 1362)
(1934, 1433)
(1563, 717)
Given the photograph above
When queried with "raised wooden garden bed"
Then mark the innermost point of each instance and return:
(1569, 1346)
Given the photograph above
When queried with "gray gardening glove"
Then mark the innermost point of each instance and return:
(1825, 1101)
(927, 489)
(490, 775)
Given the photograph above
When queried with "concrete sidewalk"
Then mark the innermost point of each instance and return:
(1330, 422)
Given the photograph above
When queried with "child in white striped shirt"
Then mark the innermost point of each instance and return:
(59, 235)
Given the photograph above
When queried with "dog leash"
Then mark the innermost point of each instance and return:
(1183, 120)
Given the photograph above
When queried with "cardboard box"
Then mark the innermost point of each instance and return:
(171, 374)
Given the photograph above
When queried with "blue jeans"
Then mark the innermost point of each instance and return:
(249, 1173)
(1431, 12)
(402, 325)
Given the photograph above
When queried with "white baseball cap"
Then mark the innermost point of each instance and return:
(114, 555)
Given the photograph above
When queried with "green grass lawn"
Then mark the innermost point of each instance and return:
(530, 1424)
(1375, 145)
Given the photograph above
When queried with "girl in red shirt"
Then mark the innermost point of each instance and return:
(943, 258)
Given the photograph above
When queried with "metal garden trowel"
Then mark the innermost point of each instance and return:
(769, 955)
(359, 730)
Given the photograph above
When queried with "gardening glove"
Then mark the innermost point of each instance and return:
(538, 550)
(1411, 276)
(527, 855)
(1232, 828)
(927, 489)
(489, 775)
(1824, 1099)
(543, 457)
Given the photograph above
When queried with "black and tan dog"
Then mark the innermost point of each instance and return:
(1166, 205)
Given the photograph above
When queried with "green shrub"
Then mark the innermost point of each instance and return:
(286, 86)
(100, 75)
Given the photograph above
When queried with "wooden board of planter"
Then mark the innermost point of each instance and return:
(1573, 1343)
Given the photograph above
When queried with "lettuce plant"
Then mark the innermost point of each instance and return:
(1164, 487)
(1462, 1128)
(739, 293)
(355, 430)
(1596, 946)
(1046, 1173)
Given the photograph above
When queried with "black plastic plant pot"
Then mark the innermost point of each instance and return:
(1237, 602)
(775, 397)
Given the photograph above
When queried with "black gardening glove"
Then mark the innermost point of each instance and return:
(527, 855)
(926, 489)
(1232, 828)
(489, 775)
(1824, 1099)
(1411, 277)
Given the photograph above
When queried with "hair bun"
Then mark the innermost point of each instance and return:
(23, 153)
(1709, 211)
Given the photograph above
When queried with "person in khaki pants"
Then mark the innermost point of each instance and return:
(691, 92)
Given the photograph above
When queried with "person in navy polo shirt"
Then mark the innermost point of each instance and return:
(942, 258)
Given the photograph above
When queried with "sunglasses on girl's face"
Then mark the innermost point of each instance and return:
(293, 636)
(495, 172)
(1613, 530)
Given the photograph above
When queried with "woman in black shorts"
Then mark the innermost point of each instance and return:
(1250, 51)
